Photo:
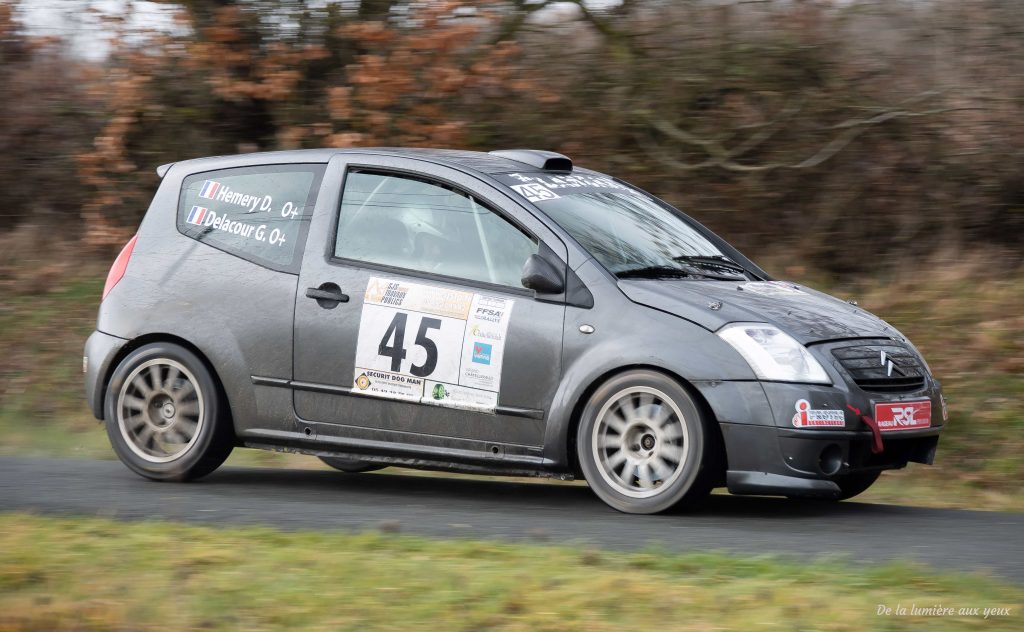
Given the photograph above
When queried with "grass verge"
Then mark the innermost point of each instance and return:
(90, 574)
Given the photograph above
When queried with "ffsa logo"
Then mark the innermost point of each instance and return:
(489, 315)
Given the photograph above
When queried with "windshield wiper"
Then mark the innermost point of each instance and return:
(655, 272)
(665, 272)
(713, 261)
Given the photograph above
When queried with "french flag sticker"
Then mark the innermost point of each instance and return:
(197, 215)
(209, 189)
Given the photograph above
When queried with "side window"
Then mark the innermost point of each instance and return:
(257, 213)
(411, 223)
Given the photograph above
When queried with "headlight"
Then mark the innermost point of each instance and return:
(772, 354)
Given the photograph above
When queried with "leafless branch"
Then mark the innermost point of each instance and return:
(521, 11)
(720, 156)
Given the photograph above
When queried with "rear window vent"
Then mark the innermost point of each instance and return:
(546, 160)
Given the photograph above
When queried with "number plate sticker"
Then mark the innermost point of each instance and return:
(432, 345)
(903, 415)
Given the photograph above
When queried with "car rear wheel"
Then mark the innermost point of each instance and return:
(643, 444)
(350, 465)
(165, 416)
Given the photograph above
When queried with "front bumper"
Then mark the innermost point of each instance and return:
(100, 351)
(774, 457)
(778, 461)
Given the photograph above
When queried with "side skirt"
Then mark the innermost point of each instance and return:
(496, 462)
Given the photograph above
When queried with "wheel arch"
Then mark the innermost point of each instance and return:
(569, 445)
(151, 338)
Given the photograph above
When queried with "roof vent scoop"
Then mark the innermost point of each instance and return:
(546, 160)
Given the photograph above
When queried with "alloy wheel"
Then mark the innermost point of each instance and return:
(160, 410)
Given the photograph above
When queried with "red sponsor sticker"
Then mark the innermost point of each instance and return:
(903, 415)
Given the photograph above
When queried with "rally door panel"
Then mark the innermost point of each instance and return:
(415, 355)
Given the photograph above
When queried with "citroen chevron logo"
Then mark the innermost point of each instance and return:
(888, 364)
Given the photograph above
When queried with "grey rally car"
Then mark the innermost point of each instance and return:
(497, 313)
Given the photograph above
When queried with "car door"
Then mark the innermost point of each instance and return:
(411, 325)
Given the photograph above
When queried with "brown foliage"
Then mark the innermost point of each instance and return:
(44, 121)
(102, 169)
(252, 90)
(411, 87)
(856, 135)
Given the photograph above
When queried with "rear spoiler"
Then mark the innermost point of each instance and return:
(162, 169)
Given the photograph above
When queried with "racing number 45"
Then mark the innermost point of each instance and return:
(396, 351)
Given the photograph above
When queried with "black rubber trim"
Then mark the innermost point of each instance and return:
(270, 381)
(766, 484)
(834, 435)
(370, 447)
(347, 391)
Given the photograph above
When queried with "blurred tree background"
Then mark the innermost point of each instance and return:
(849, 134)
(873, 148)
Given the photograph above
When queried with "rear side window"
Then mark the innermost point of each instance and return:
(257, 213)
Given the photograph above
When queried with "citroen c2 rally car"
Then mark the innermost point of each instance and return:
(502, 313)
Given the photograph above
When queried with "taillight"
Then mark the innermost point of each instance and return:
(120, 266)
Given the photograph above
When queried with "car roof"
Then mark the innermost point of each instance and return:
(482, 162)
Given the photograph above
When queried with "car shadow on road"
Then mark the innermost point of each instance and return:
(451, 490)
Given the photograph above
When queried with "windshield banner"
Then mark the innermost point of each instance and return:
(539, 187)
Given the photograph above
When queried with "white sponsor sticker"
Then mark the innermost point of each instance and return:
(431, 344)
(387, 384)
(535, 192)
(455, 396)
(540, 187)
(807, 417)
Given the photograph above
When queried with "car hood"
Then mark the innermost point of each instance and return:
(807, 315)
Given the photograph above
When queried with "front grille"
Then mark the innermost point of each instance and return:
(869, 366)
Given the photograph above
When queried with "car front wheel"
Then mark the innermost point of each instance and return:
(165, 416)
(643, 444)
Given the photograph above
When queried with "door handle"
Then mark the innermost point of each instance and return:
(327, 293)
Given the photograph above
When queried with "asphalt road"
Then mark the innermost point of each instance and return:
(458, 507)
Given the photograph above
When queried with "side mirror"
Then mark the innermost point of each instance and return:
(542, 276)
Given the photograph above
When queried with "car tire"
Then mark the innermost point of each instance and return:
(165, 415)
(350, 465)
(644, 445)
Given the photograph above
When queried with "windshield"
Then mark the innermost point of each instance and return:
(628, 232)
